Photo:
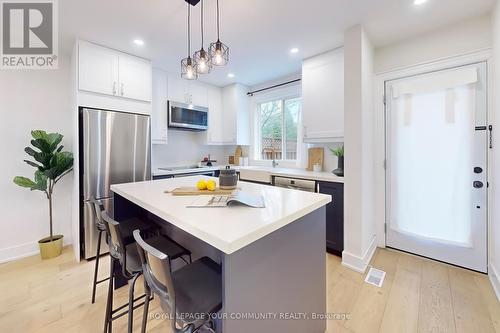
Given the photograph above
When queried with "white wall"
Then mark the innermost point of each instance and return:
(359, 235)
(32, 99)
(186, 148)
(465, 37)
(494, 250)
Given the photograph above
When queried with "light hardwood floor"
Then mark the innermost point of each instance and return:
(418, 295)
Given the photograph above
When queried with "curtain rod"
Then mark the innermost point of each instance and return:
(251, 93)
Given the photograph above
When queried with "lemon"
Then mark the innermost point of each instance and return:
(211, 185)
(201, 185)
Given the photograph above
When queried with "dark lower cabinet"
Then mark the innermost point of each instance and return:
(334, 217)
(162, 177)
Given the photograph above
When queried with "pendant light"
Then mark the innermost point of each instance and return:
(202, 57)
(188, 65)
(219, 53)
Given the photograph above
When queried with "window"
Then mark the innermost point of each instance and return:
(279, 122)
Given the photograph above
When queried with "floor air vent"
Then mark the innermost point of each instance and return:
(375, 277)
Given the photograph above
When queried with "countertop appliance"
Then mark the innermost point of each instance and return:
(295, 184)
(115, 147)
(228, 178)
(187, 116)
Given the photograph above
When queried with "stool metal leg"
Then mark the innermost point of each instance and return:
(131, 303)
(146, 307)
(109, 302)
(96, 269)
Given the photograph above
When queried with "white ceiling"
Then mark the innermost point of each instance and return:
(259, 32)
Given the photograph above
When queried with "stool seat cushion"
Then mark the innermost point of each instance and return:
(160, 242)
(198, 290)
(128, 226)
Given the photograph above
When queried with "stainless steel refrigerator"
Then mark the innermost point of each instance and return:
(115, 147)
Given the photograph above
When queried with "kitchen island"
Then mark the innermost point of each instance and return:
(272, 258)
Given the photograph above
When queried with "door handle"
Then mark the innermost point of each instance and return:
(478, 184)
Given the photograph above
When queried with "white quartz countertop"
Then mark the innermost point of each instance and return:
(227, 229)
(281, 172)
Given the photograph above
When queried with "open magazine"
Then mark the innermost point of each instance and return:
(237, 198)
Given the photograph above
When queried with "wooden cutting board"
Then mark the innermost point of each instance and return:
(195, 191)
(237, 154)
(315, 156)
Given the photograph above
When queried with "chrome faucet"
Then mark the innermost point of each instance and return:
(273, 154)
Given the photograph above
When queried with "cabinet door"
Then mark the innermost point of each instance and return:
(97, 69)
(323, 97)
(198, 93)
(177, 89)
(135, 78)
(159, 116)
(334, 217)
(214, 133)
(242, 115)
(229, 114)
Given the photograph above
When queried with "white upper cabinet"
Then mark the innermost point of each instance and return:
(236, 115)
(186, 91)
(215, 121)
(98, 69)
(159, 115)
(135, 78)
(109, 72)
(323, 97)
(177, 89)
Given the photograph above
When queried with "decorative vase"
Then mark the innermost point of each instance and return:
(340, 167)
(50, 249)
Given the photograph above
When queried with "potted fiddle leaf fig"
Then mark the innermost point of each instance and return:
(51, 164)
(339, 152)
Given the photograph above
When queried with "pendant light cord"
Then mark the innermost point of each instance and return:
(218, 22)
(202, 39)
(189, 30)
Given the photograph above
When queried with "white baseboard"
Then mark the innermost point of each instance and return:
(356, 263)
(21, 251)
(495, 280)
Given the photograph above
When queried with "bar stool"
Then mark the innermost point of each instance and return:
(195, 290)
(128, 257)
(127, 229)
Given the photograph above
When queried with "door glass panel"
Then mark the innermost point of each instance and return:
(432, 137)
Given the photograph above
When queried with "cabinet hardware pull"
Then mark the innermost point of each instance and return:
(490, 128)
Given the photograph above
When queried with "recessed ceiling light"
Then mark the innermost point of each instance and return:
(230, 75)
(419, 2)
(139, 42)
(294, 50)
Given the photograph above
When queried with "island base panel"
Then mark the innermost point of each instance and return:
(282, 274)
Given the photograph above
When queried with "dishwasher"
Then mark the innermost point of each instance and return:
(295, 184)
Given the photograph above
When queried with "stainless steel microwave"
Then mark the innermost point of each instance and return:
(187, 116)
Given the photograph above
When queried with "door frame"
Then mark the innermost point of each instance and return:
(380, 128)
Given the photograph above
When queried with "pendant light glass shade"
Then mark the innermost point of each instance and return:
(188, 69)
(219, 53)
(202, 57)
(188, 65)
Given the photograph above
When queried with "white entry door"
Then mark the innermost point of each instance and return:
(436, 171)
